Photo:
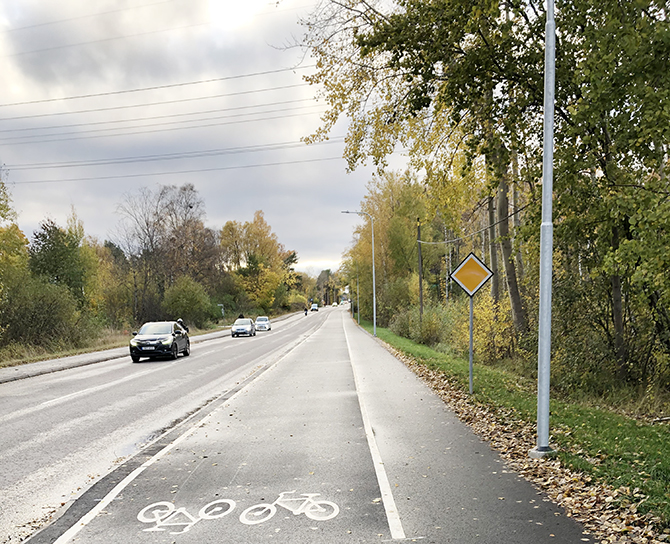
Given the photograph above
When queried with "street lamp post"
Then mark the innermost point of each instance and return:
(374, 286)
(546, 243)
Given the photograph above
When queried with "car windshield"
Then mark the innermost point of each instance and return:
(156, 328)
(261, 319)
(243, 322)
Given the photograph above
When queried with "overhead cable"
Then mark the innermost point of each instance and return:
(9, 142)
(170, 156)
(476, 232)
(159, 103)
(157, 87)
(176, 172)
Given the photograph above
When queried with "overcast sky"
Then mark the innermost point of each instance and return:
(100, 98)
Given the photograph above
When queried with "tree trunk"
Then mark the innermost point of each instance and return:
(518, 314)
(617, 313)
(517, 217)
(493, 253)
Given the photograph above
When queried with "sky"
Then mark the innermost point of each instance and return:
(99, 99)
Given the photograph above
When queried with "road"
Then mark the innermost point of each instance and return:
(314, 433)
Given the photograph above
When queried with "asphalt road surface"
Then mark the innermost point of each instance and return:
(314, 433)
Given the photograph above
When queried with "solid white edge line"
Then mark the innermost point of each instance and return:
(91, 514)
(392, 513)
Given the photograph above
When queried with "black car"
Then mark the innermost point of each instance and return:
(160, 339)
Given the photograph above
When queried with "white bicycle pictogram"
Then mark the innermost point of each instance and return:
(165, 514)
(304, 504)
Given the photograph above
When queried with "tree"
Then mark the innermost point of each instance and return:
(163, 236)
(188, 300)
(264, 267)
(466, 74)
(59, 256)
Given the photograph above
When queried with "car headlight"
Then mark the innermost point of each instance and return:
(167, 341)
(133, 342)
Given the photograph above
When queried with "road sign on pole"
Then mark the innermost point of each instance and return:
(471, 274)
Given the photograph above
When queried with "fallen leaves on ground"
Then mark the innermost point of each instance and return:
(596, 506)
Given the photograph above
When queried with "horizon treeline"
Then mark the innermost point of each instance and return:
(62, 289)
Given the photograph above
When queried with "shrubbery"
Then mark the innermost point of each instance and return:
(188, 300)
(44, 314)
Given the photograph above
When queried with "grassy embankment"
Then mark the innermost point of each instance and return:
(611, 448)
(19, 354)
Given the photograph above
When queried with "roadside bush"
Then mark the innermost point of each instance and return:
(43, 314)
(188, 300)
(400, 323)
(433, 329)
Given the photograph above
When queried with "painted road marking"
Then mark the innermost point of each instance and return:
(164, 514)
(91, 514)
(316, 510)
(392, 514)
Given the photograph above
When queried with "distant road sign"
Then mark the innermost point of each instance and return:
(471, 274)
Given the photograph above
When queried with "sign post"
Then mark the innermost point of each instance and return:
(471, 274)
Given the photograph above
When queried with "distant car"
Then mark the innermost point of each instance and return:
(263, 323)
(243, 325)
(314, 308)
(159, 339)
(334, 304)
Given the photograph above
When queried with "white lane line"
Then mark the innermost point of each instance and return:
(91, 514)
(392, 513)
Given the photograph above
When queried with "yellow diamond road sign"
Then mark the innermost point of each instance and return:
(471, 274)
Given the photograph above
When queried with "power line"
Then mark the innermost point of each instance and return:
(157, 87)
(8, 142)
(159, 103)
(101, 40)
(169, 156)
(176, 172)
(155, 117)
(60, 21)
(476, 232)
(85, 133)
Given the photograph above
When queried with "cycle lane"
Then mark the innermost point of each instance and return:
(297, 428)
(449, 486)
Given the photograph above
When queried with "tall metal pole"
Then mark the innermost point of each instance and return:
(358, 301)
(374, 284)
(471, 341)
(546, 243)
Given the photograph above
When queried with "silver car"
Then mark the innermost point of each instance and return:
(263, 323)
(243, 325)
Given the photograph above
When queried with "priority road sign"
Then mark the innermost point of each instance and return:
(471, 274)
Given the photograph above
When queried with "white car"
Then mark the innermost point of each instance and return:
(263, 323)
(243, 326)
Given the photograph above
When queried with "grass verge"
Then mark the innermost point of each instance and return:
(628, 455)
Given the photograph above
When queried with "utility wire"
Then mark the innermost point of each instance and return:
(101, 40)
(157, 87)
(176, 172)
(159, 103)
(8, 142)
(169, 156)
(91, 15)
(85, 133)
(156, 117)
(476, 232)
